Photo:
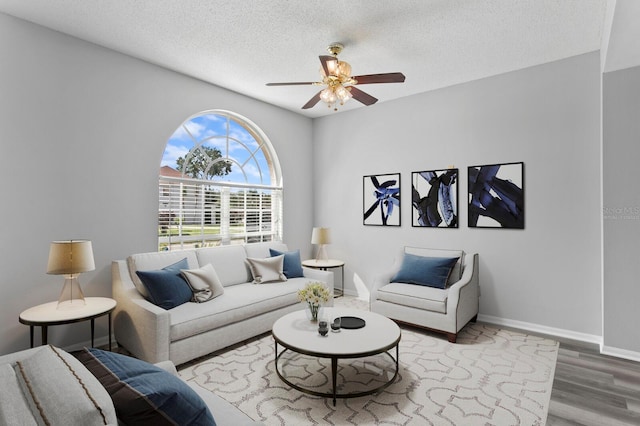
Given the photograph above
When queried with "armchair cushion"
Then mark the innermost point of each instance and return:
(416, 296)
(428, 271)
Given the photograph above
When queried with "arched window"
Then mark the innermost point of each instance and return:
(220, 183)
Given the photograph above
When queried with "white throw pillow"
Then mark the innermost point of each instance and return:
(204, 283)
(267, 269)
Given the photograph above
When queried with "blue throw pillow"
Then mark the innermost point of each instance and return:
(143, 393)
(166, 287)
(292, 267)
(428, 271)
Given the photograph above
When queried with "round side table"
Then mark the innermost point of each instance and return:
(47, 314)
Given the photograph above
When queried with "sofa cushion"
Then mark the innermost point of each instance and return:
(228, 261)
(204, 283)
(429, 271)
(239, 302)
(267, 270)
(261, 250)
(166, 287)
(144, 393)
(292, 267)
(61, 391)
(157, 260)
(458, 268)
(415, 296)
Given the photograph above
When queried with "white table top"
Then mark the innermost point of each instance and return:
(323, 263)
(298, 333)
(48, 312)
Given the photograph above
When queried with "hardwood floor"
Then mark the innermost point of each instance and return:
(593, 389)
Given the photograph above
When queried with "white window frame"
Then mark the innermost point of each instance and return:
(206, 204)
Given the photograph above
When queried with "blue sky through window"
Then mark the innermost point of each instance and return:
(235, 142)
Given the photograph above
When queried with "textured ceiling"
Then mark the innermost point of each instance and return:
(241, 45)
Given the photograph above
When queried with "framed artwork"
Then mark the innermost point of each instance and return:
(434, 197)
(381, 199)
(496, 196)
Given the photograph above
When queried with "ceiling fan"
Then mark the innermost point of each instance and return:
(340, 84)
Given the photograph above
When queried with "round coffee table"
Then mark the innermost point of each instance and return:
(295, 332)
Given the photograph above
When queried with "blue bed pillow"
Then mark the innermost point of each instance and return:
(143, 393)
(292, 265)
(167, 287)
(427, 271)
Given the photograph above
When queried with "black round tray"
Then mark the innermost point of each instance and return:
(352, 323)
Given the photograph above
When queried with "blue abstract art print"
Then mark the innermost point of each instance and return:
(434, 197)
(496, 196)
(381, 199)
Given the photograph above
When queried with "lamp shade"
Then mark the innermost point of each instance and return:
(321, 236)
(70, 257)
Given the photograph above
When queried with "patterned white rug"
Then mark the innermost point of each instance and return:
(490, 377)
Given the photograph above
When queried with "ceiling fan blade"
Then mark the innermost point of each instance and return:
(361, 96)
(324, 60)
(313, 101)
(301, 83)
(391, 77)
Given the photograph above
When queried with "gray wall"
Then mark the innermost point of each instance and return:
(82, 131)
(621, 158)
(544, 277)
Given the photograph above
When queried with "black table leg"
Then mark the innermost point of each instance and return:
(44, 334)
(31, 335)
(109, 337)
(93, 328)
(334, 372)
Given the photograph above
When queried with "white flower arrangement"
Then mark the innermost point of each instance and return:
(314, 293)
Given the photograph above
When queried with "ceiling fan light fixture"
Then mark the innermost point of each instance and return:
(328, 96)
(343, 94)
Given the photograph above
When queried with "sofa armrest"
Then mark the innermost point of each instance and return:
(464, 294)
(318, 274)
(139, 325)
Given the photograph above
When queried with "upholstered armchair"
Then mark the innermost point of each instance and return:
(433, 289)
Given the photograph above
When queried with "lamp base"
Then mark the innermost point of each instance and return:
(322, 253)
(71, 296)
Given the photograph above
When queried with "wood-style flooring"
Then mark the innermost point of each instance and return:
(593, 389)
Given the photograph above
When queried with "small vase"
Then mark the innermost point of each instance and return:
(313, 311)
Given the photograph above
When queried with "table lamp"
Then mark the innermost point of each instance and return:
(321, 236)
(70, 258)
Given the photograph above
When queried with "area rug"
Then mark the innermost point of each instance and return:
(490, 377)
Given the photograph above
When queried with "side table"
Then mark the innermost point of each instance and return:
(47, 314)
(325, 265)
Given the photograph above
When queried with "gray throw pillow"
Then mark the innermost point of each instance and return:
(204, 283)
(267, 270)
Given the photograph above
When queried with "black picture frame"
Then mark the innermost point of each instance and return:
(496, 196)
(434, 198)
(381, 200)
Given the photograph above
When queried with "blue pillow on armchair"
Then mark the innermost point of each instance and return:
(427, 271)
(143, 393)
(292, 265)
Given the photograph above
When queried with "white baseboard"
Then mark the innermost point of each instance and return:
(537, 328)
(620, 353)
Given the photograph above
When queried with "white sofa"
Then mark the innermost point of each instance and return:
(193, 329)
(15, 408)
(445, 310)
